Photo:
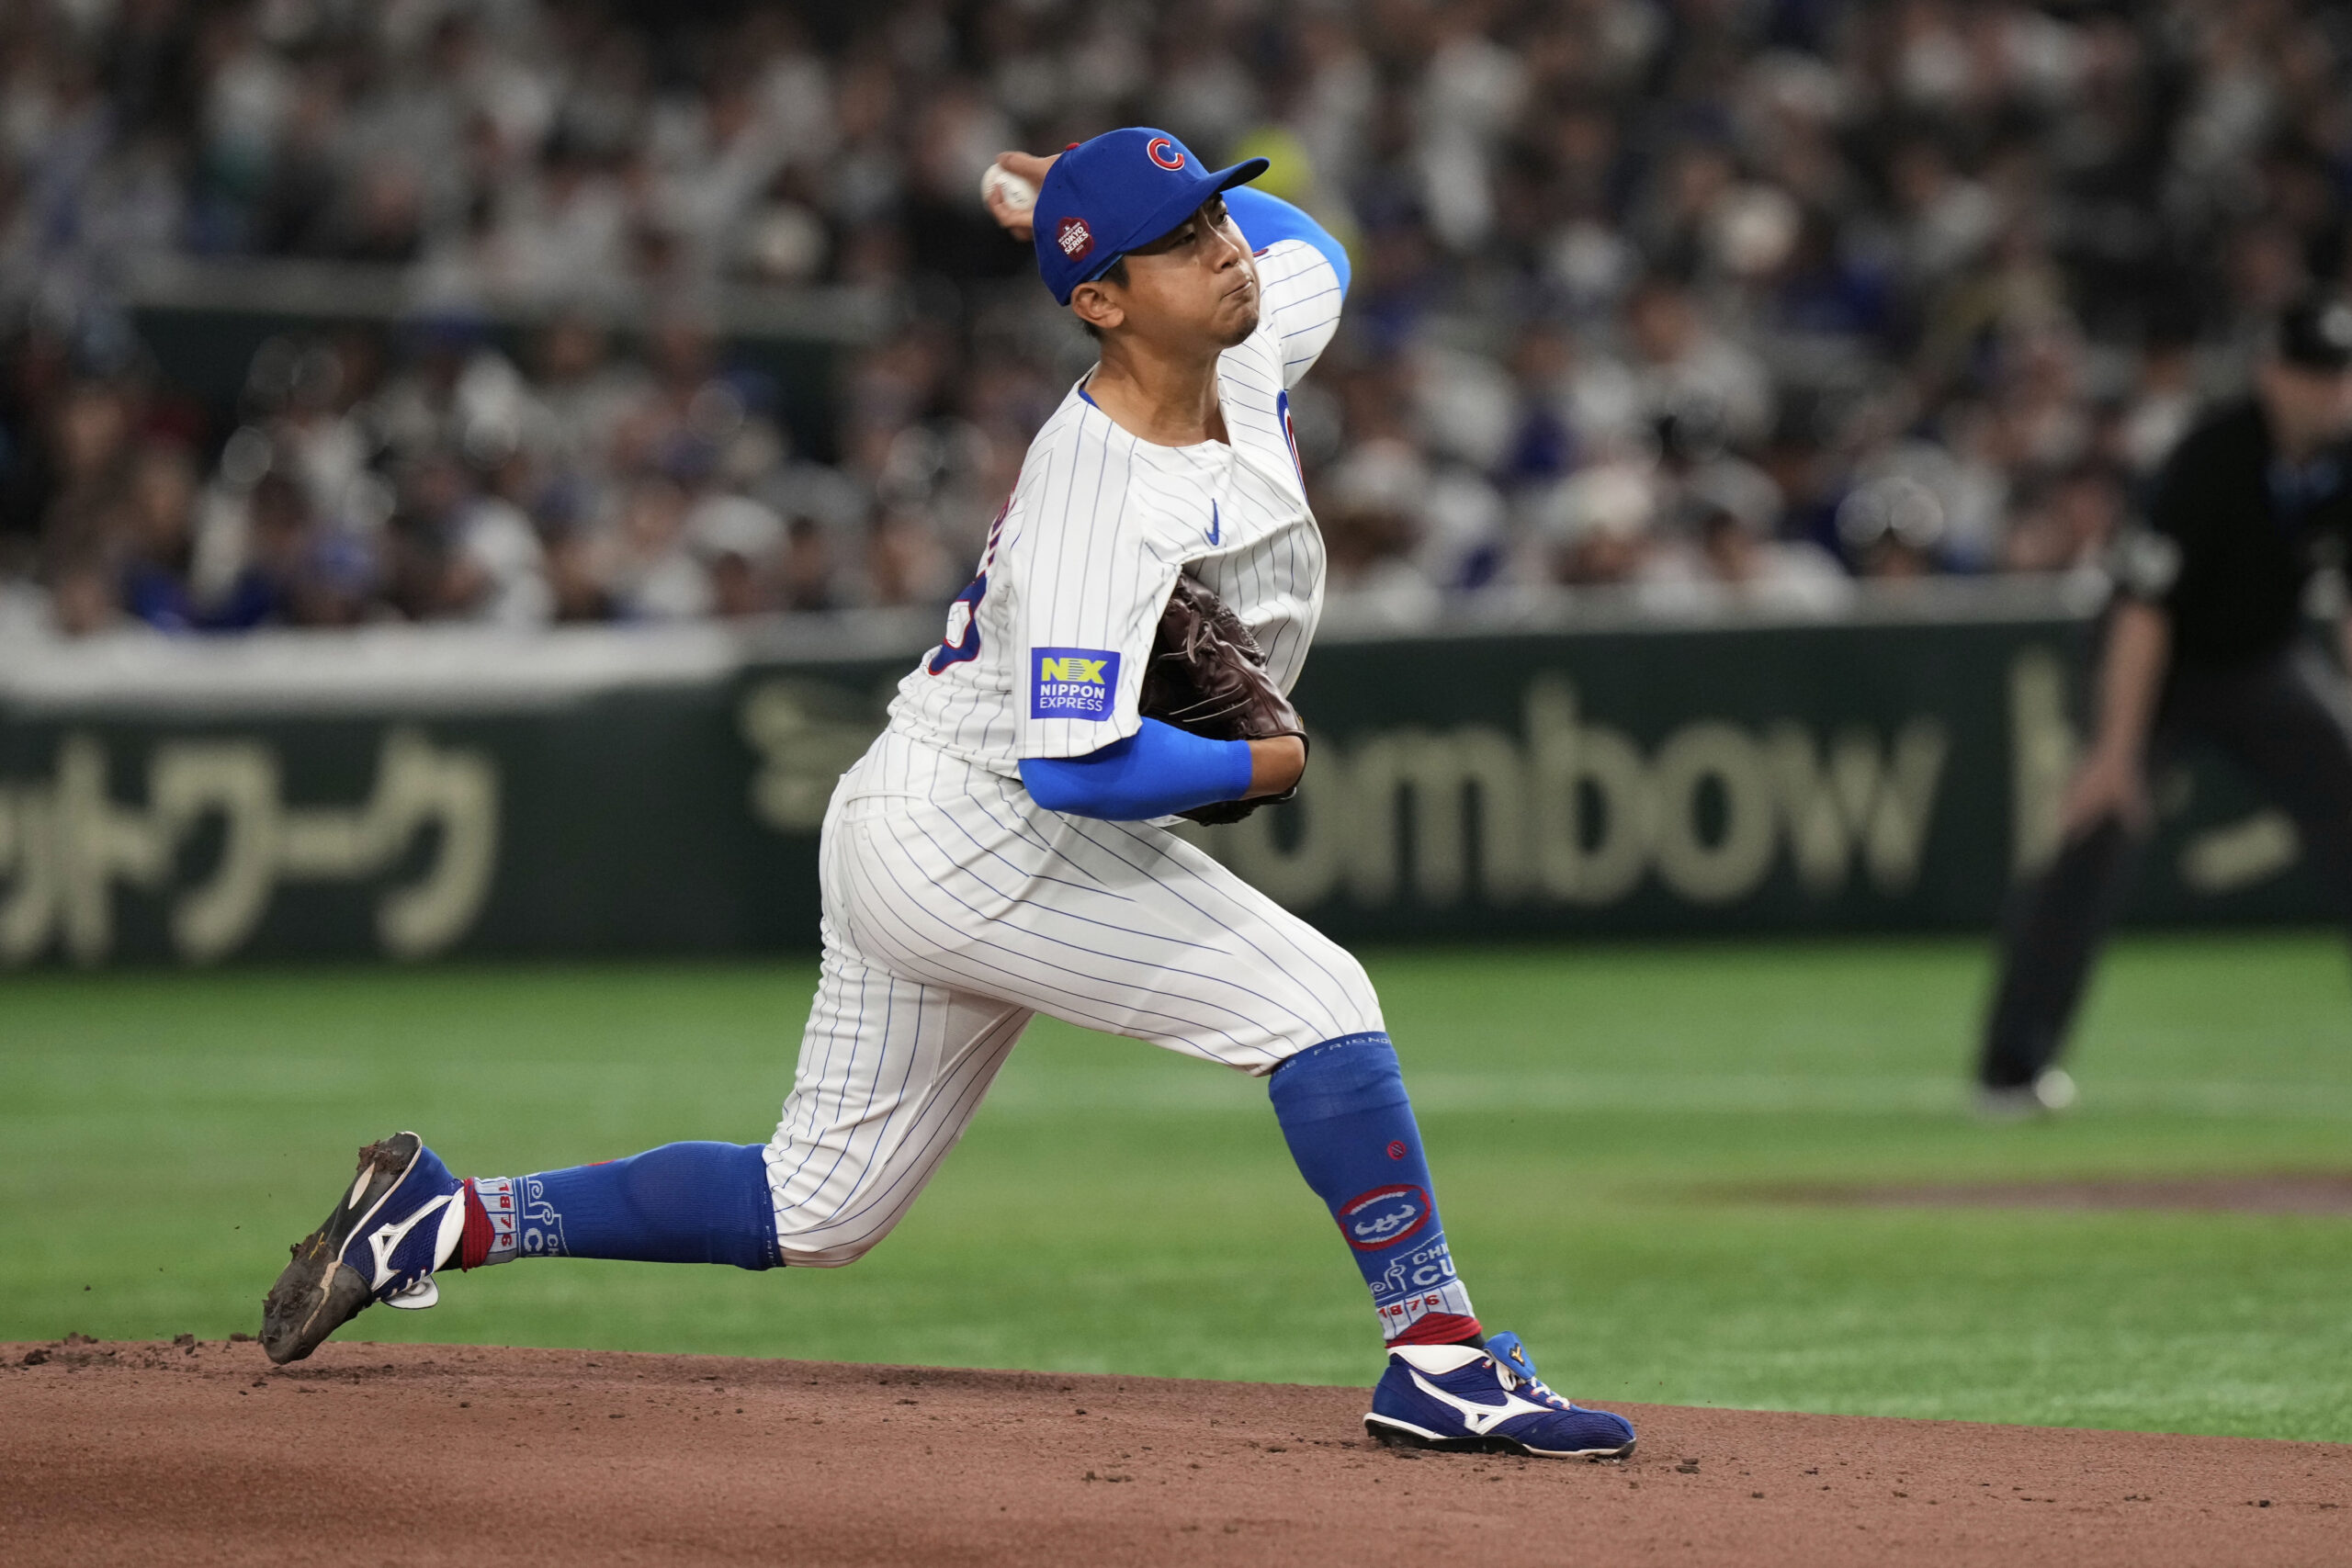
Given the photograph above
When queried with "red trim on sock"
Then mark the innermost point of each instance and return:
(1442, 1328)
(473, 1246)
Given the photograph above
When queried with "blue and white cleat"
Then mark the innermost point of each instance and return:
(1466, 1400)
(402, 1219)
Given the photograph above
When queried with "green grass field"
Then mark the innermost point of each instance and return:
(1597, 1119)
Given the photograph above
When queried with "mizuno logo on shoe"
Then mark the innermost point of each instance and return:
(1480, 1419)
(386, 1240)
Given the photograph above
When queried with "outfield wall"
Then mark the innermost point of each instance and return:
(1573, 770)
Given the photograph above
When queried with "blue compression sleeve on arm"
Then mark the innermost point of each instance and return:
(1265, 219)
(1157, 771)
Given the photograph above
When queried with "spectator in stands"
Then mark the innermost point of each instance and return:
(1732, 511)
(2068, 522)
(656, 576)
(1687, 372)
(1374, 509)
(157, 538)
(1597, 527)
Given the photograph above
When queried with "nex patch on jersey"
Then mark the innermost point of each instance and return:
(1072, 683)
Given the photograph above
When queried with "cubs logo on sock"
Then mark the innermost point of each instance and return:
(1384, 1216)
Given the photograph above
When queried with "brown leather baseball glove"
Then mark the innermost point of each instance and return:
(1208, 675)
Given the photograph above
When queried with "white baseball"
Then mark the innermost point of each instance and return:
(1017, 194)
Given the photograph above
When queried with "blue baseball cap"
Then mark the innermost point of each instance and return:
(1125, 188)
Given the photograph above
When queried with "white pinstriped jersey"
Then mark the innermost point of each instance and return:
(957, 908)
(1044, 653)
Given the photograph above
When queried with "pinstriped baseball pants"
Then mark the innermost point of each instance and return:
(955, 908)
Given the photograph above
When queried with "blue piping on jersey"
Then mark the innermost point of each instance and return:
(1263, 220)
(1157, 771)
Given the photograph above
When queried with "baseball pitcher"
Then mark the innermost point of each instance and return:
(1121, 659)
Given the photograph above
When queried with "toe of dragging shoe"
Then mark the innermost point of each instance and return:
(313, 1299)
(318, 1292)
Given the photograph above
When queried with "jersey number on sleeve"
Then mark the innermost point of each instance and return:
(962, 641)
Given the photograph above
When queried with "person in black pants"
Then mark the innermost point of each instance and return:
(2204, 644)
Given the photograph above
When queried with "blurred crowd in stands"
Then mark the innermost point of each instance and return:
(1725, 301)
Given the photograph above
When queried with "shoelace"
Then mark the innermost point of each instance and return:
(1528, 1386)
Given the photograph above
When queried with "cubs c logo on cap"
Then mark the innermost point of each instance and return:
(1163, 153)
(1074, 237)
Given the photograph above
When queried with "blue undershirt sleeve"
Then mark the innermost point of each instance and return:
(1264, 218)
(1157, 771)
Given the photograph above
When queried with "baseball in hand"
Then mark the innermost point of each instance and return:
(1016, 194)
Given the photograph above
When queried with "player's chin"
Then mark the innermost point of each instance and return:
(1237, 317)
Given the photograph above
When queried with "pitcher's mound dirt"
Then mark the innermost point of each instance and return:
(191, 1453)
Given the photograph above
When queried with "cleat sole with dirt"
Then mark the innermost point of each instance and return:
(319, 1292)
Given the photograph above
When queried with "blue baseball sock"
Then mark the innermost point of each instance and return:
(1343, 1110)
(679, 1204)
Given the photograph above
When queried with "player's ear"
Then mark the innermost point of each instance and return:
(1096, 304)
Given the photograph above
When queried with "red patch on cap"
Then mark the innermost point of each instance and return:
(1076, 240)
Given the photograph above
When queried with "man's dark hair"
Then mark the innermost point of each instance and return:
(1115, 274)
